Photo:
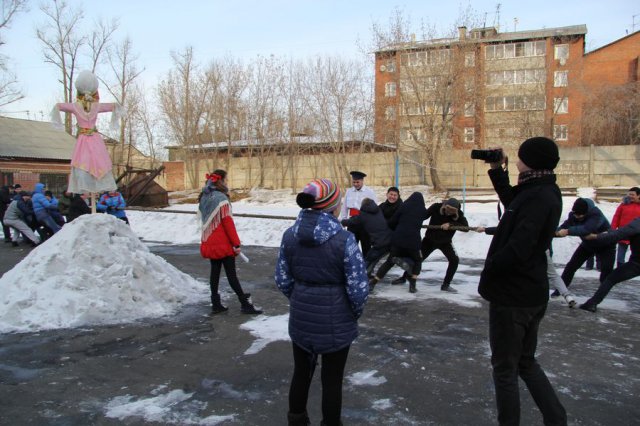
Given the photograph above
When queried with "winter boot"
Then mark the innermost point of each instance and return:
(412, 285)
(400, 280)
(216, 305)
(372, 283)
(570, 300)
(447, 287)
(247, 307)
(589, 307)
(298, 419)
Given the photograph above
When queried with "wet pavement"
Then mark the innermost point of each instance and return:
(421, 361)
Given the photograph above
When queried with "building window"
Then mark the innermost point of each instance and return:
(391, 65)
(470, 59)
(526, 76)
(561, 79)
(561, 53)
(560, 105)
(390, 89)
(560, 132)
(515, 50)
(390, 113)
(469, 109)
(515, 103)
(469, 134)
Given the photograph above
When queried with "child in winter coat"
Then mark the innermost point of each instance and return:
(113, 203)
(321, 271)
(220, 243)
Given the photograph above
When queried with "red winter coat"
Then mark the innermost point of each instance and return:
(221, 242)
(624, 214)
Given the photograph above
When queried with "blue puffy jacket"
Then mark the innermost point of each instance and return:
(322, 272)
(113, 204)
(40, 203)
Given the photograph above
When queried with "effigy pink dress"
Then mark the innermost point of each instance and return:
(91, 167)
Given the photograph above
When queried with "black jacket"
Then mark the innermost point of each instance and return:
(373, 222)
(5, 199)
(515, 271)
(407, 222)
(389, 209)
(439, 236)
(77, 207)
(631, 232)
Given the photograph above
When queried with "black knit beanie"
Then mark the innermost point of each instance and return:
(539, 153)
(580, 207)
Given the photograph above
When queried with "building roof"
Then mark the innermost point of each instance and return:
(613, 42)
(256, 143)
(34, 139)
(496, 37)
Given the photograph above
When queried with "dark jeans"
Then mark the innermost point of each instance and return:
(49, 223)
(361, 236)
(607, 256)
(229, 264)
(621, 253)
(373, 256)
(624, 272)
(414, 255)
(332, 375)
(449, 252)
(513, 336)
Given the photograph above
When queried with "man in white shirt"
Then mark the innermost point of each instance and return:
(351, 207)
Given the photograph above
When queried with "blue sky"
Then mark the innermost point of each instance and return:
(291, 28)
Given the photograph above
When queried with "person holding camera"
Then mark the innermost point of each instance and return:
(514, 279)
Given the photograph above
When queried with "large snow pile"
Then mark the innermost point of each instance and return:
(94, 271)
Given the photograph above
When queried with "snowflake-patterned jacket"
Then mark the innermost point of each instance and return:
(322, 272)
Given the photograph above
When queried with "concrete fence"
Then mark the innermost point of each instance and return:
(579, 167)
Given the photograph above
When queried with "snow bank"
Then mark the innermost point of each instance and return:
(94, 271)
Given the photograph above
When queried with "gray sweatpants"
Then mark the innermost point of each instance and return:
(20, 226)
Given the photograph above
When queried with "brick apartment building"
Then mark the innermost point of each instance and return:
(485, 88)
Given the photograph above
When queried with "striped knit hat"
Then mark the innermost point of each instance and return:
(320, 194)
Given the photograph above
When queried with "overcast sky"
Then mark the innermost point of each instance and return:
(289, 28)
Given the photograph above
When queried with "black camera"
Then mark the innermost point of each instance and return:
(487, 155)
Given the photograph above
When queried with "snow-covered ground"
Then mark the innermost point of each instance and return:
(97, 271)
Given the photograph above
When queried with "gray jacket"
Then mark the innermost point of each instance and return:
(13, 212)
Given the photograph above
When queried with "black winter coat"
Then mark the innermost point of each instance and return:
(5, 200)
(373, 222)
(439, 236)
(389, 209)
(407, 222)
(515, 271)
(77, 207)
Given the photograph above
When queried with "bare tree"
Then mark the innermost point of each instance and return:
(9, 92)
(612, 116)
(122, 61)
(430, 87)
(339, 97)
(62, 44)
(184, 97)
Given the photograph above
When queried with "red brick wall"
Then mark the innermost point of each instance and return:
(28, 173)
(174, 172)
(614, 64)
